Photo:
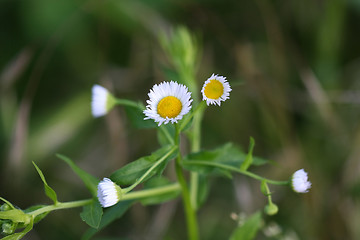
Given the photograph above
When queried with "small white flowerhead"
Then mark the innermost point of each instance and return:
(108, 193)
(102, 101)
(299, 181)
(169, 102)
(215, 90)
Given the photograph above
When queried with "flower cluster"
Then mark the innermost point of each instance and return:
(168, 103)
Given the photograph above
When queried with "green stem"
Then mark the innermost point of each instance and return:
(138, 181)
(152, 192)
(195, 147)
(60, 205)
(268, 193)
(130, 196)
(249, 174)
(192, 225)
(129, 103)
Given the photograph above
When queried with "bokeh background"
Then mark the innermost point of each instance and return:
(296, 65)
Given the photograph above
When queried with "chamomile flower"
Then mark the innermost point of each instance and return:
(299, 181)
(169, 102)
(108, 193)
(102, 101)
(215, 90)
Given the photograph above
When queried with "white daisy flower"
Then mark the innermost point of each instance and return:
(215, 90)
(169, 102)
(102, 101)
(299, 181)
(108, 193)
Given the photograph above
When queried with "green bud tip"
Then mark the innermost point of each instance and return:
(5, 207)
(271, 209)
(8, 228)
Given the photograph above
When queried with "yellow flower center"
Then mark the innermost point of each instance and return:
(169, 107)
(214, 89)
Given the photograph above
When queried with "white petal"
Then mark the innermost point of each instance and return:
(300, 181)
(107, 194)
(226, 91)
(99, 100)
(161, 91)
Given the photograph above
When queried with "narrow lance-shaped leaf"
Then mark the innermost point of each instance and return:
(249, 158)
(92, 214)
(48, 190)
(264, 188)
(227, 154)
(90, 181)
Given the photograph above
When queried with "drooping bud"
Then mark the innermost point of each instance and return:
(108, 193)
(102, 101)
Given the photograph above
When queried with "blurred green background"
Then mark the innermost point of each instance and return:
(299, 65)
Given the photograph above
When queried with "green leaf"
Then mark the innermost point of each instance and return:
(48, 190)
(15, 215)
(39, 217)
(203, 190)
(128, 174)
(249, 159)
(228, 154)
(90, 181)
(110, 215)
(136, 117)
(155, 183)
(249, 229)
(264, 188)
(17, 236)
(92, 214)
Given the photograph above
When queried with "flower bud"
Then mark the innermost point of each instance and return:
(8, 228)
(271, 209)
(108, 193)
(101, 101)
(4, 207)
(299, 181)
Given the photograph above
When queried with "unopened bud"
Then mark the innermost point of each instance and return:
(271, 209)
(4, 207)
(8, 228)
